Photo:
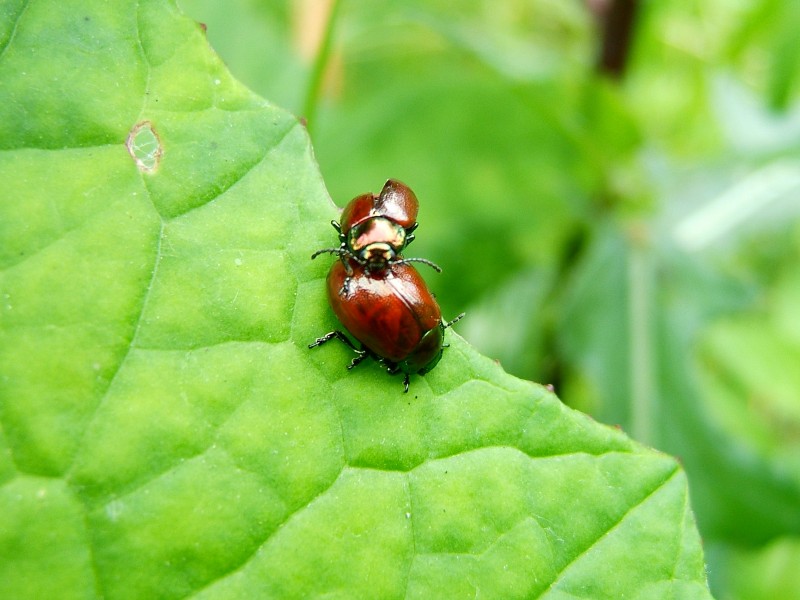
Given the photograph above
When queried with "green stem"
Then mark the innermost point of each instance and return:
(641, 343)
(317, 74)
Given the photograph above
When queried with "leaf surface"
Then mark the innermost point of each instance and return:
(167, 433)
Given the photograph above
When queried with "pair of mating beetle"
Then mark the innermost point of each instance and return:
(375, 293)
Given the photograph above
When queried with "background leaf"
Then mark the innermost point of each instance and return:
(165, 430)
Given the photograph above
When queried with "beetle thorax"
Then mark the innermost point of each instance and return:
(376, 241)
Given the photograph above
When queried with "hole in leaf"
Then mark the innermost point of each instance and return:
(144, 146)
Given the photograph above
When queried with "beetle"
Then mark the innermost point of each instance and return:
(375, 229)
(391, 313)
(375, 293)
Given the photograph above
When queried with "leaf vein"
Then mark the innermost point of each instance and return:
(14, 29)
(289, 516)
(619, 522)
(131, 345)
(248, 168)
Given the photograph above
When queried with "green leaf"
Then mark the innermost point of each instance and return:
(165, 430)
(771, 26)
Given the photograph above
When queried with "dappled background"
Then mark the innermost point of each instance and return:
(613, 190)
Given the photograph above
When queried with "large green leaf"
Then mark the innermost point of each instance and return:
(165, 430)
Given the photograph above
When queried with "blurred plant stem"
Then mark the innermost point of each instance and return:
(641, 316)
(314, 24)
(617, 20)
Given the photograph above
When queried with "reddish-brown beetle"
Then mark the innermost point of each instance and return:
(379, 298)
(391, 313)
(375, 228)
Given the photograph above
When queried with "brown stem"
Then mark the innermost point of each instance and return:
(616, 18)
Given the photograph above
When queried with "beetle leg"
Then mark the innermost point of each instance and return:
(347, 268)
(361, 355)
(393, 368)
(345, 289)
(345, 256)
(410, 237)
(334, 334)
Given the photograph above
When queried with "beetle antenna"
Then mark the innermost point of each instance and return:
(431, 264)
(328, 250)
(454, 321)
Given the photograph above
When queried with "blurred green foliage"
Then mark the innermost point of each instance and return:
(633, 241)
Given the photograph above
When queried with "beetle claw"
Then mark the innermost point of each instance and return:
(391, 367)
(321, 340)
(334, 334)
(345, 289)
(361, 355)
